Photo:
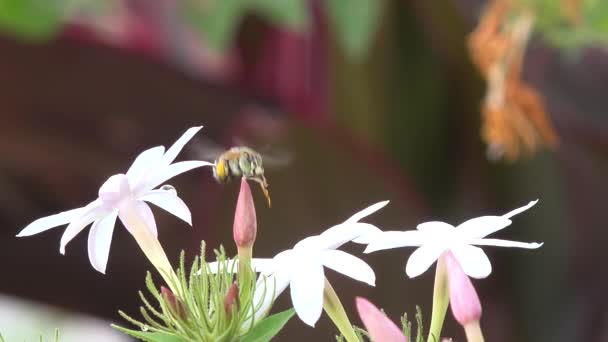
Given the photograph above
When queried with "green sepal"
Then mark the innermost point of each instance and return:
(150, 336)
(196, 310)
(267, 328)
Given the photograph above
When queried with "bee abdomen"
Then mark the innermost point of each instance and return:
(221, 171)
(234, 168)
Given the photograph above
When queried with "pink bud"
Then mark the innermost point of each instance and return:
(464, 301)
(173, 302)
(245, 223)
(231, 299)
(379, 327)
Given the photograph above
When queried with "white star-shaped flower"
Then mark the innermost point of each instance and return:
(435, 238)
(123, 192)
(301, 268)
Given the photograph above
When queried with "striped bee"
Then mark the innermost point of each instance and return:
(241, 161)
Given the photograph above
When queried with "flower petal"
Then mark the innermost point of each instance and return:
(283, 262)
(340, 234)
(100, 238)
(174, 170)
(369, 235)
(114, 189)
(396, 239)
(177, 147)
(366, 212)
(170, 202)
(504, 243)
(94, 212)
(482, 226)
(473, 260)
(267, 289)
(379, 327)
(422, 259)
(307, 286)
(349, 265)
(52, 221)
(214, 267)
(145, 213)
(520, 210)
(263, 265)
(135, 223)
(435, 227)
(144, 163)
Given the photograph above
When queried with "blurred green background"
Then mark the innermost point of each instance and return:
(373, 99)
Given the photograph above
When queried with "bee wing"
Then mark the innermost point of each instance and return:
(205, 149)
(276, 158)
(272, 156)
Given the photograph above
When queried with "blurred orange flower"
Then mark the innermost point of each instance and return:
(572, 10)
(514, 116)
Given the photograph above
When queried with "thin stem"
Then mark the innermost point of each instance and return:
(334, 309)
(150, 245)
(441, 299)
(244, 275)
(473, 332)
(245, 254)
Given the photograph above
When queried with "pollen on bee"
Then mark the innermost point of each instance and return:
(221, 169)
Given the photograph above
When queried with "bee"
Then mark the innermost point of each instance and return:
(241, 161)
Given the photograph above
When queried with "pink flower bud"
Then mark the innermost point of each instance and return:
(245, 223)
(464, 301)
(379, 327)
(176, 306)
(231, 299)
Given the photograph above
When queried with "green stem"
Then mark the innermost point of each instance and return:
(334, 309)
(441, 299)
(244, 275)
(245, 254)
(473, 332)
(151, 247)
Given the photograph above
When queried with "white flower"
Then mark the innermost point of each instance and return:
(301, 268)
(435, 238)
(122, 193)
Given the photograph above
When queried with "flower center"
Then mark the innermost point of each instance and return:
(115, 191)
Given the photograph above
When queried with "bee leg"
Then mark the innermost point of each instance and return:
(264, 185)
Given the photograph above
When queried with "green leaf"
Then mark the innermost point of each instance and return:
(289, 13)
(269, 327)
(355, 22)
(555, 26)
(31, 19)
(217, 21)
(151, 336)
